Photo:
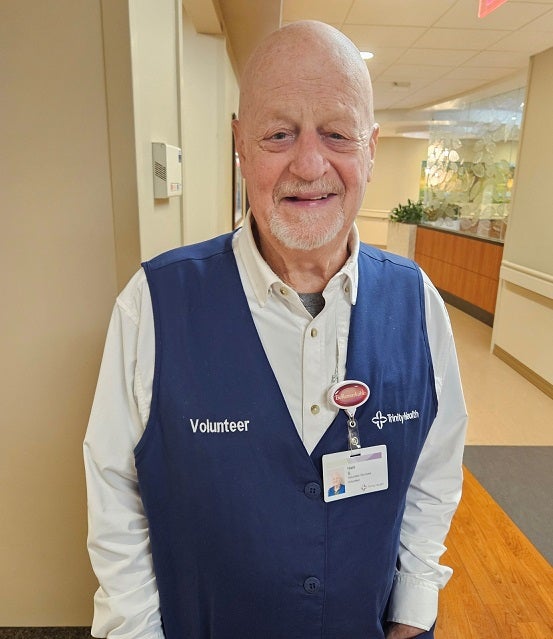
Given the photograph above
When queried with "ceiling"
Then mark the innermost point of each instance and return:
(426, 52)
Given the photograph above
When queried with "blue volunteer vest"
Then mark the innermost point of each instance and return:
(243, 544)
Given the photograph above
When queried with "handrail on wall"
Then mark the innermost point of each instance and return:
(530, 279)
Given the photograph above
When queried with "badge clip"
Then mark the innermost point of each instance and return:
(348, 396)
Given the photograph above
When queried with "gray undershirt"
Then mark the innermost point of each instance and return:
(313, 302)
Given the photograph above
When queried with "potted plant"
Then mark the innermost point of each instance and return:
(402, 231)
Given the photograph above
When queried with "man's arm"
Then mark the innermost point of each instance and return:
(126, 604)
(435, 489)
(401, 631)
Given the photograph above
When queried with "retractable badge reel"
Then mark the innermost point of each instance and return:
(348, 396)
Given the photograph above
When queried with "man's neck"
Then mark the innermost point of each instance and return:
(304, 271)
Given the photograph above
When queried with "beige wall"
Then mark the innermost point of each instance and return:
(167, 83)
(119, 101)
(156, 64)
(396, 178)
(209, 98)
(530, 237)
(397, 171)
(524, 313)
(184, 94)
(58, 282)
(86, 87)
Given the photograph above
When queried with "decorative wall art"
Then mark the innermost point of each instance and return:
(467, 179)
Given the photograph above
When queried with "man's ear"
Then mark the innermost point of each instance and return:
(372, 149)
(238, 141)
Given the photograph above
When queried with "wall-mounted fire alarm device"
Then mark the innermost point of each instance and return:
(167, 164)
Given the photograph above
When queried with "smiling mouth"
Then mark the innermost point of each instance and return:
(307, 198)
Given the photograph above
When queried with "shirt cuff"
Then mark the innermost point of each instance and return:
(413, 602)
(128, 615)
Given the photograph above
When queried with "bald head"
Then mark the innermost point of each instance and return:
(305, 50)
(306, 138)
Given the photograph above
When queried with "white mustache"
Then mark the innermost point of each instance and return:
(292, 189)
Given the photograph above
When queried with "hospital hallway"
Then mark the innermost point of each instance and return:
(501, 541)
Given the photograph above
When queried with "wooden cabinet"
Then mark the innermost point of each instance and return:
(465, 267)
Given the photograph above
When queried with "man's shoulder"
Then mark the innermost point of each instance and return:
(372, 254)
(200, 251)
(375, 255)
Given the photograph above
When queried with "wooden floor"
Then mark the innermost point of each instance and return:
(502, 588)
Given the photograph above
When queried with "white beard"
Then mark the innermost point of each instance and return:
(305, 233)
(305, 230)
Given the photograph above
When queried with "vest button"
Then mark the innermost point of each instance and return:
(314, 332)
(315, 409)
(312, 490)
(311, 585)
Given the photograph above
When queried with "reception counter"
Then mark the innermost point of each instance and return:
(464, 267)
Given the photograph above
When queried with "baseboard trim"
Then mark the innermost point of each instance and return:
(538, 381)
(468, 308)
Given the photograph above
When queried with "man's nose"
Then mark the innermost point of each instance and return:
(309, 161)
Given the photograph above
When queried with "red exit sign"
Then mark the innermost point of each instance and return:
(487, 6)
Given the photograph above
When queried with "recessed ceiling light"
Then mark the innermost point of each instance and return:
(367, 55)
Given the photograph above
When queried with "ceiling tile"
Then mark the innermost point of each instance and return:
(383, 102)
(371, 37)
(385, 94)
(499, 59)
(386, 55)
(437, 57)
(459, 39)
(383, 58)
(543, 23)
(334, 11)
(405, 12)
(406, 72)
(479, 73)
(550, 2)
(434, 92)
(464, 15)
(385, 86)
(524, 42)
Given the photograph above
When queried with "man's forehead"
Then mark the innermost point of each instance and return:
(290, 110)
(312, 66)
(297, 99)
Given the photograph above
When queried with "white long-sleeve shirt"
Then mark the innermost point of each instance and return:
(307, 355)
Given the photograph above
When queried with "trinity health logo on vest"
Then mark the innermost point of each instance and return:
(384, 418)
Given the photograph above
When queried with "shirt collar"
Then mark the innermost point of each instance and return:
(263, 278)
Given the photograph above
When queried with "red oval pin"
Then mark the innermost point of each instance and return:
(348, 394)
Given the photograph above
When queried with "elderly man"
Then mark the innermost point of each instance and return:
(236, 370)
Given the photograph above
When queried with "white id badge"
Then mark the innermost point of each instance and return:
(355, 472)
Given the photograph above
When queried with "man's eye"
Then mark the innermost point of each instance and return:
(278, 136)
(336, 136)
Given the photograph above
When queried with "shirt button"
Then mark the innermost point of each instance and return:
(312, 490)
(283, 291)
(315, 409)
(311, 585)
(314, 332)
